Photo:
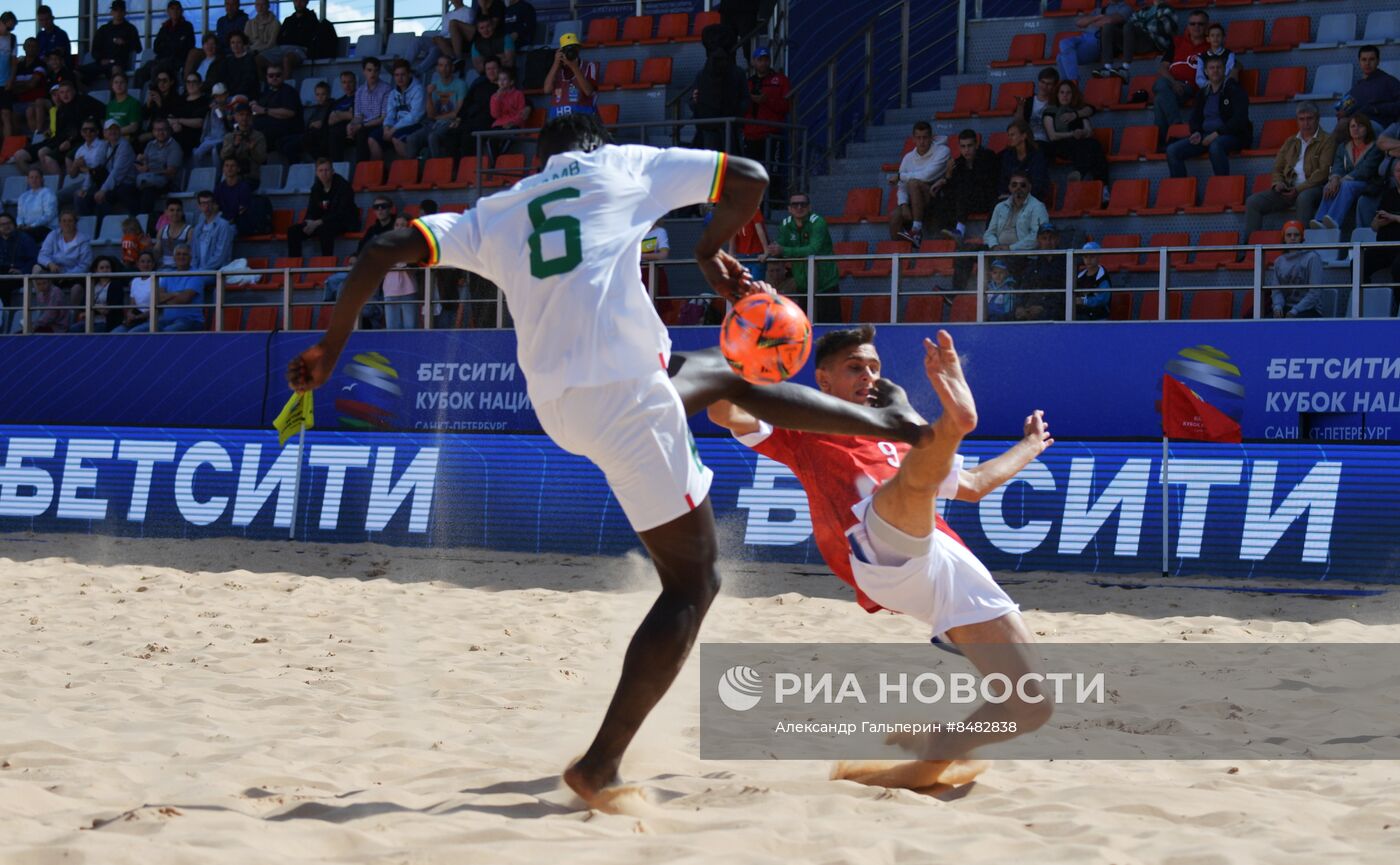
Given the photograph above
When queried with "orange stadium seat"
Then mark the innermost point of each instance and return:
(1055, 46)
(881, 266)
(1104, 136)
(1120, 306)
(315, 278)
(609, 113)
(1222, 195)
(618, 73)
(851, 266)
(1285, 82)
(1223, 3)
(670, 27)
(1249, 80)
(923, 308)
(875, 309)
(862, 205)
(1262, 183)
(537, 118)
(1272, 137)
(368, 174)
(1174, 195)
(1100, 92)
(1007, 94)
(233, 318)
(1127, 196)
(1175, 132)
(261, 318)
(323, 317)
(1212, 304)
(369, 219)
(301, 318)
(996, 142)
(508, 168)
(1120, 261)
(1072, 8)
(635, 28)
(1287, 34)
(437, 174)
(402, 172)
(1136, 143)
(894, 166)
(1147, 310)
(702, 20)
(656, 72)
(970, 101)
(964, 308)
(1148, 264)
(1026, 48)
(1213, 259)
(1264, 236)
(11, 146)
(600, 32)
(932, 266)
(1138, 82)
(466, 173)
(1242, 36)
(1082, 198)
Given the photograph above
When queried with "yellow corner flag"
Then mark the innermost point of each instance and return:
(296, 415)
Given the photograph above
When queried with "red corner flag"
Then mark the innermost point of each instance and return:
(1187, 416)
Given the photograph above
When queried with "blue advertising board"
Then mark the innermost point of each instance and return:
(1287, 380)
(1314, 512)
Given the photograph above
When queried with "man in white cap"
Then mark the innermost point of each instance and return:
(217, 124)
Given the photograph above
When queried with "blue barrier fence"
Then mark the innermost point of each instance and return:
(1253, 511)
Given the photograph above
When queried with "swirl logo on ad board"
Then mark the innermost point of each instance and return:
(1212, 377)
(371, 400)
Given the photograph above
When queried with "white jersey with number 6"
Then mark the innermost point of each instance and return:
(565, 247)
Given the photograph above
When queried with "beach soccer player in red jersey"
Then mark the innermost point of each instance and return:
(876, 525)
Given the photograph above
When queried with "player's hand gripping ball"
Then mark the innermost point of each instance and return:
(766, 338)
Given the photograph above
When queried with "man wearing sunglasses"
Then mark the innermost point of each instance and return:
(802, 234)
(383, 221)
(1016, 221)
(277, 115)
(1172, 90)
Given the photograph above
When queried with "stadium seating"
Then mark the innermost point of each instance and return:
(1174, 195)
(1211, 305)
(1272, 137)
(862, 205)
(1007, 96)
(1333, 30)
(1244, 36)
(1127, 197)
(1136, 143)
(1101, 93)
(617, 73)
(300, 177)
(1026, 49)
(401, 172)
(1210, 260)
(1381, 26)
(1147, 307)
(1287, 34)
(1082, 198)
(368, 175)
(1329, 81)
(437, 174)
(972, 100)
(1285, 83)
(924, 308)
(850, 266)
(1223, 194)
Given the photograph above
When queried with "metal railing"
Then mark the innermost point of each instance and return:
(957, 280)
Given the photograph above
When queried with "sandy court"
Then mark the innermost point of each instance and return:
(277, 702)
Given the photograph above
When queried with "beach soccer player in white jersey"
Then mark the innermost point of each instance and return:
(563, 245)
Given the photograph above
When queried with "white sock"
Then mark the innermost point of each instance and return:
(918, 226)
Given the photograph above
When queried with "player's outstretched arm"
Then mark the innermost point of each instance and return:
(728, 415)
(975, 483)
(313, 367)
(745, 181)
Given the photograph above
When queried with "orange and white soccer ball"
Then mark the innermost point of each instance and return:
(766, 338)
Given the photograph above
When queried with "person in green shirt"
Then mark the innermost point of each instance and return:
(805, 233)
(123, 107)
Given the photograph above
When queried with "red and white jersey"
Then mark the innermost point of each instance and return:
(837, 472)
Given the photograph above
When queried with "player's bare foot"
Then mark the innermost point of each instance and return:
(909, 774)
(944, 371)
(607, 794)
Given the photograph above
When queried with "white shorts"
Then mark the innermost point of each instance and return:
(945, 588)
(636, 432)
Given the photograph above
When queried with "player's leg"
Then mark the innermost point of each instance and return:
(703, 378)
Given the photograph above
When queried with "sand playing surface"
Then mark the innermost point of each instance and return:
(252, 702)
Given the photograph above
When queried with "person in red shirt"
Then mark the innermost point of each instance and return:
(573, 80)
(751, 242)
(768, 100)
(1176, 76)
(878, 529)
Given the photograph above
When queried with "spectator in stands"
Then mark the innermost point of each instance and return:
(366, 129)
(922, 175)
(383, 221)
(51, 36)
(458, 28)
(173, 44)
(18, 254)
(108, 295)
(1023, 156)
(474, 115)
(158, 166)
(1301, 167)
(1001, 292)
(135, 241)
(114, 46)
(74, 109)
(1032, 110)
(494, 9)
(92, 153)
(66, 250)
(179, 297)
(1220, 124)
(118, 191)
(1071, 136)
(1382, 263)
(187, 117)
(209, 60)
(234, 196)
(37, 211)
(217, 124)
(1016, 220)
(1151, 25)
(1297, 277)
(212, 239)
(509, 110)
(60, 68)
(8, 73)
(315, 141)
(342, 112)
(234, 20)
(277, 115)
(404, 112)
(1215, 38)
(445, 94)
(491, 42)
(1356, 171)
(805, 233)
(173, 233)
(160, 103)
(1091, 44)
(294, 39)
(401, 286)
(30, 82)
(656, 246)
(138, 313)
(720, 90)
(123, 107)
(262, 29)
(48, 312)
(1045, 275)
(769, 99)
(239, 70)
(330, 212)
(1376, 94)
(974, 180)
(1176, 74)
(244, 142)
(751, 242)
(520, 23)
(573, 80)
(1091, 286)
